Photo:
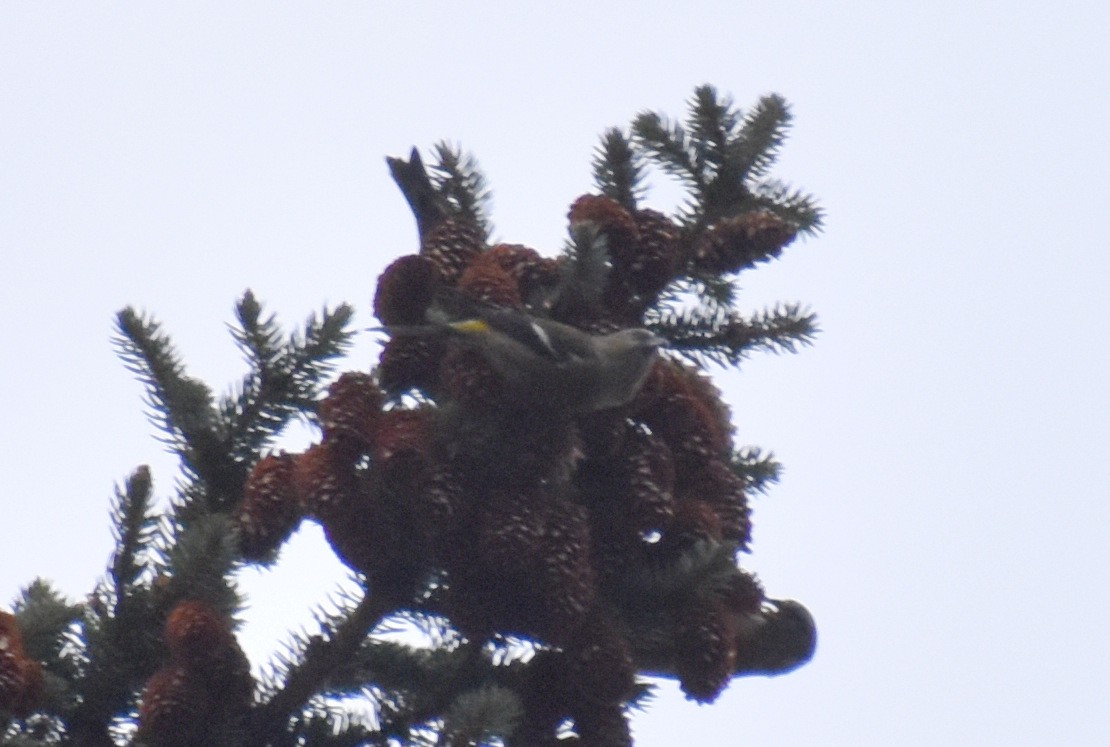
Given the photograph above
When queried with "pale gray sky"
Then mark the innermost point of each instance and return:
(945, 507)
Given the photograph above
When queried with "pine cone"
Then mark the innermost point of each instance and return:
(21, 677)
(195, 631)
(648, 473)
(411, 362)
(405, 290)
(350, 410)
(599, 663)
(532, 272)
(612, 221)
(325, 480)
(737, 243)
(705, 649)
(173, 709)
(722, 490)
(486, 281)
(451, 246)
(470, 380)
(440, 504)
(271, 506)
(602, 725)
(401, 447)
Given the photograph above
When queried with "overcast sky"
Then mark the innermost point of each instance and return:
(945, 508)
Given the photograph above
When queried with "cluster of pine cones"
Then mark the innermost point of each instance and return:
(608, 539)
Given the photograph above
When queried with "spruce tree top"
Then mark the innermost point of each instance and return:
(550, 559)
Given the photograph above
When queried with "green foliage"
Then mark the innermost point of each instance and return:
(760, 471)
(438, 688)
(285, 374)
(715, 334)
(721, 156)
(583, 274)
(619, 169)
(460, 182)
(180, 405)
(133, 527)
(44, 617)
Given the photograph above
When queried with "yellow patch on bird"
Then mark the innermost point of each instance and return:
(471, 326)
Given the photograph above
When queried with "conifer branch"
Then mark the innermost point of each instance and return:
(726, 337)
(666, 143)
(131, 528)
(461, 184)
(200, 563)
(314, 350)
(44, 617)
(481, 714)
(330, 730)
(285, 379)
(180, 405)
(756, 145)
(790, 204)
(759, 471)
(619, 169)
(528, 579)
(118, 648)
(711, 122)
(320, 659)
(583, 274)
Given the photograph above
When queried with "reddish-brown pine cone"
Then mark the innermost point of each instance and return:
(350, 410)
(486, 281)
(11, 677)
(271, 506)
(694, 521)
(532, 271)
(21, 678)
(647, 478)
(723, 490)
(405, 290)
(325, 480)
(411, 362)
(743, 594)
(440, 503)
(451, 246)
(228, 675)
(705, 648)
(642, 269)
(352, 536)
(401, 446)
(173, 711)
(602, 725)
(688, 427)
(675, 406)
(526, 570)
(669, 377)
(702, 388)
(737, 243)
(196, 631)
(568, 581)
(611, 220)
(377, 537)
(33, 687)
(11, 638)
(512, 531)
(599, 662)
(604, 433)
(658, 254)
(469, 379)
